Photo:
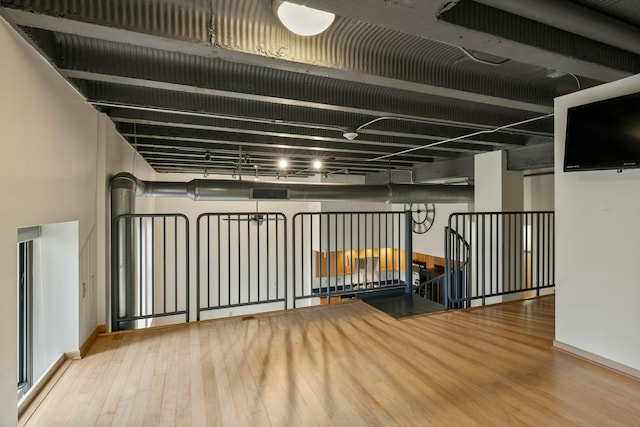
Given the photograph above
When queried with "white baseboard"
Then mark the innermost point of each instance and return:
(591, 357)
(31, 395)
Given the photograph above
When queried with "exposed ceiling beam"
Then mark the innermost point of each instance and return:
(118, 35)
(420, 18)
(158, 85)
(575, 18)
(177, 141)
(257, 153)
(239, 136)
(457, 168)
(398, 136)
(531, 157)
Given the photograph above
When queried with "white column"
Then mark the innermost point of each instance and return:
(496, 188)
(499, 190)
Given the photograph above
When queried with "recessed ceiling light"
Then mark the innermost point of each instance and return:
(283, 163)
(302, 20)
(317, 164)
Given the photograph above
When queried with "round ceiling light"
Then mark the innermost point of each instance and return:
(302, 20)
(317, 164)
(283, 164)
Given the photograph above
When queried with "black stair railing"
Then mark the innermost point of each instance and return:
(492, 254)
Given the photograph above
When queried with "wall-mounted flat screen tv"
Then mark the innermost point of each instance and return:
(603, 135)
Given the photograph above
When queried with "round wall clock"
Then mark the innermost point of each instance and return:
(422, 215)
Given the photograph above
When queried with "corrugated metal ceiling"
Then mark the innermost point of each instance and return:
(224, 79)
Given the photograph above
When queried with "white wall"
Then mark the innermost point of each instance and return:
(597, 268)
(53, 170)
(47, 175)
(432, 242)
(496, 189)
(539, 193)
(55, 295)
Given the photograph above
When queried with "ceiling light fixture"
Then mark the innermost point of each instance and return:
(283, 163)
(350, 134)
(302, 20)
(317, 164)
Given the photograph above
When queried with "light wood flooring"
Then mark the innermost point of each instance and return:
(342, 365)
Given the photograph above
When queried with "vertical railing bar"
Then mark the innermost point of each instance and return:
(175, 265)
(476, 255)
(187, 245)
(344, 252)
(366, 245)
(510, 250)
(493, 250)
(393, 243)
(311, 233)
(115, 273)
(525, 260)
(285, 262)
(239, 263)
(249, 258)
(447, 267)
(336, 249)
(484, 246)
(323, 266)
(454, 255)
(379, 249)
(328, 257)
(140, 284)
(359, 281)
(228, 259)
(538, 226)
(516, 269)
(543, 254)
(164, 262)
(547, 228)
(456, 242)
(219, 266)
(399, 247)
(386, 248)
(531, 252)
(350, 251)
(198, 262)
(497, 253)
(208, 261)
(259, 252)
(467, 290)
(269, 260)
(500, 251)
(153, 269)
(517, 248)
(277, 251)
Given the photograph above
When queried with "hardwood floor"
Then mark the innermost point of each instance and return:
(342, 365)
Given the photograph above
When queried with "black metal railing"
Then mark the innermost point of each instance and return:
(241, 260)
(489, 254)
(432, 289)
(349, 253)
(150, 269)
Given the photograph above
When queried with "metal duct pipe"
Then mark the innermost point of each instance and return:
(199, 189)
(574, 18)
(123, 201)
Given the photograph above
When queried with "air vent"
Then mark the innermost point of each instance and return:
(269, 193)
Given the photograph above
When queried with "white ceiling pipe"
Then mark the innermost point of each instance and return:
(226, 190)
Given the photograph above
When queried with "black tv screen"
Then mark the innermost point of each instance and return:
(603, 135)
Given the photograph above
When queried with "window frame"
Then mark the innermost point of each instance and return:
(24, 302)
